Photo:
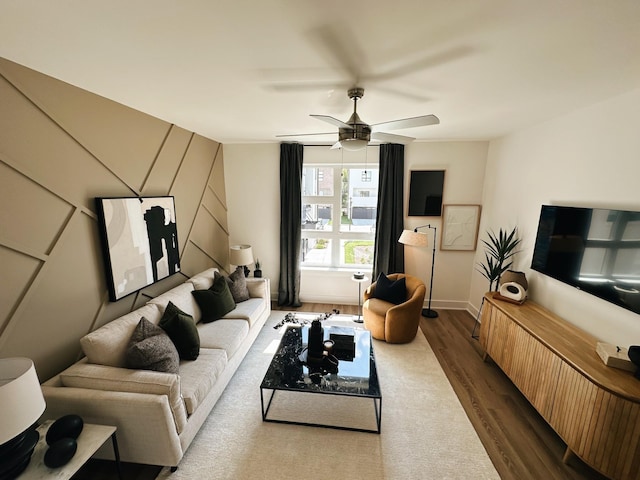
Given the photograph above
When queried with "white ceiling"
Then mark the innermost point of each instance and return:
(244, 71)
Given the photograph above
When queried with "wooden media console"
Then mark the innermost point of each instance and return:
(595, 409)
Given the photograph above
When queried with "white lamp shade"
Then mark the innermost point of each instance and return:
(414, 239)
(21, 399)
(240, 255)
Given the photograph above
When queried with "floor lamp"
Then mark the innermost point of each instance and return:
(414, 238)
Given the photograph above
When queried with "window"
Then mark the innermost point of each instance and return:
(338, 215)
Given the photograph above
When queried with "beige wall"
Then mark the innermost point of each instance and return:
(59, 148)
(588, 158)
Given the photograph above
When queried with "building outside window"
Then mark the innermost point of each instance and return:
(338, 215)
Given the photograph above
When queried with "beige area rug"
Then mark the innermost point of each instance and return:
(425, 432)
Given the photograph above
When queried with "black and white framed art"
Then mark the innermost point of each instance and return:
(140, 242)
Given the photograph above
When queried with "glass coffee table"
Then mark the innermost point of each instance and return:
(356, 377)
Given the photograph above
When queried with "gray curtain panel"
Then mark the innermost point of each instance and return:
(290, 223)
(388, 253)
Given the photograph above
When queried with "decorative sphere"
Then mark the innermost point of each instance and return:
(69, 426)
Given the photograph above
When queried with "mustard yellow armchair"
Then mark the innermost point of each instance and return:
(394, 323)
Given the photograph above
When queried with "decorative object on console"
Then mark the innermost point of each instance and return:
(21, 404)
(513, 287)
(499, 249)
(418, 239)
(257, 273)
(634, 356)
(140, 242)
(615, 356)
(241, 256)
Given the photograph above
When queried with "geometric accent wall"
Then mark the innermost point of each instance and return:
(60, 147)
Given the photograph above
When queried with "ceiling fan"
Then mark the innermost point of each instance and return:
(354, 134)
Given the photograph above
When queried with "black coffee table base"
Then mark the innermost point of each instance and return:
(377, 407)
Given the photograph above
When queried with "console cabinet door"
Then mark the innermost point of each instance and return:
(500, 340)
(534, 370)
(603, 429)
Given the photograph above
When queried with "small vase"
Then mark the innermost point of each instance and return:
(257, 273)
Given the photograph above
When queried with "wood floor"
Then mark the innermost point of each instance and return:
(519, 442)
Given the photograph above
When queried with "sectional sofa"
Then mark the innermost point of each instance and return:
(158, 414)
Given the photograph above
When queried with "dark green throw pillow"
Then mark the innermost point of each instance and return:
(391, 291)
(216, 302)
(182, 331)
(150, 348)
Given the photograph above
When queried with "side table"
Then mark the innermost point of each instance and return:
(90, 440)
(359, 319)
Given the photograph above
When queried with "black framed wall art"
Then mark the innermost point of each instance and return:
(139, 241)
(426, 188)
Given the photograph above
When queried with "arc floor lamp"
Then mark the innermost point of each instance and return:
(414, 238)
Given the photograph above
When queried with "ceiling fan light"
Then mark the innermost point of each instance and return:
(353, 144)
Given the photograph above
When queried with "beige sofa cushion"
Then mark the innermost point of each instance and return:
(198, 376)
(223, 334)
(248, 310)
(181, 298)
(108, 344)
(203, 280)
(101, 377)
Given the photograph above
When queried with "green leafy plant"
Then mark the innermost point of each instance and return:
(257, 264)
(499, 249)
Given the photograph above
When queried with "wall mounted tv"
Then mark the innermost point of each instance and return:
(594, 249)
(425, 193)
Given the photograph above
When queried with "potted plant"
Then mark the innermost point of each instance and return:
(257, 272)
(499, 249)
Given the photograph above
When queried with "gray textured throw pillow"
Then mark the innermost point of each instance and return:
(238, 285)
(150, 348)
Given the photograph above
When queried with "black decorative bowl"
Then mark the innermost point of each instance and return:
(634, 356)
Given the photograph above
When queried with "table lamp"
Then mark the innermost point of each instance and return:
(21, 404)
(241, 256)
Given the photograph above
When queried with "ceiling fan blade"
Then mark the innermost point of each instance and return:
(332, 121)
(339, 45)
(305, 134)
(391, 138)
(406, 123)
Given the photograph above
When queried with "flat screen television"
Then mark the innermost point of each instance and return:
(596, 250)
(425, 193)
